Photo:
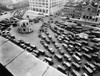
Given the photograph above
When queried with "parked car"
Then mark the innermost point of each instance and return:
(42, 52)
(60, 51)
(88, 70)
(85, 74)
(61, 68)
(77, 59)
(49, 60)
(67, 57)
(75, 73)
(58, 56)
(76, 66)
(51, 50)
(66, 64)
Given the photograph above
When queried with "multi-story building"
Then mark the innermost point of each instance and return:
(46, 6)
(73, 11)
(90, 10)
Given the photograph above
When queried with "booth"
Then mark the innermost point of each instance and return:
(24, 27)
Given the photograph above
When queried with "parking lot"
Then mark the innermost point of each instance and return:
(61, 46)
(54, 48)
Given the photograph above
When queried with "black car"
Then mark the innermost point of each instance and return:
(33, 47)
(60, 51)
(27, 44)
(58, 56)
(49, 60)
(23, 46)
(76, 66)
(56, 45)
(46, 46)
(51, 50)
(21, 41)
(36, 52)
(42, 42)
(42, 52)
(62, 69)
(47, 41)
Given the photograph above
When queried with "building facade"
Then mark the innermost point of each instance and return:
(72, 11)
(24, 27)
(46, 6)
(90, 10)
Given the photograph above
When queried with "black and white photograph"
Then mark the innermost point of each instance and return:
(49, 37)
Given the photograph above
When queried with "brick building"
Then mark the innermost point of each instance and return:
(90, 10)
(73, 11)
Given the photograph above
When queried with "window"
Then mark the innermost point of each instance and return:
(23, 25)
(97, 14)
(96, 19)
(26, 23)
(36, 9)
(43, 3)
(98, 10)
(90, 17)
(40, 10)
(33, 9)
(84, 16)
(24, 30)
(44, 11)
(46, 3)
(88, 9)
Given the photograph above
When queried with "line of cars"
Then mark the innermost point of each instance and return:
(60, 56)
(43, 41)
(59, 50)
(24, 45)
(82, 48)
(74, 46)
(66, 56)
